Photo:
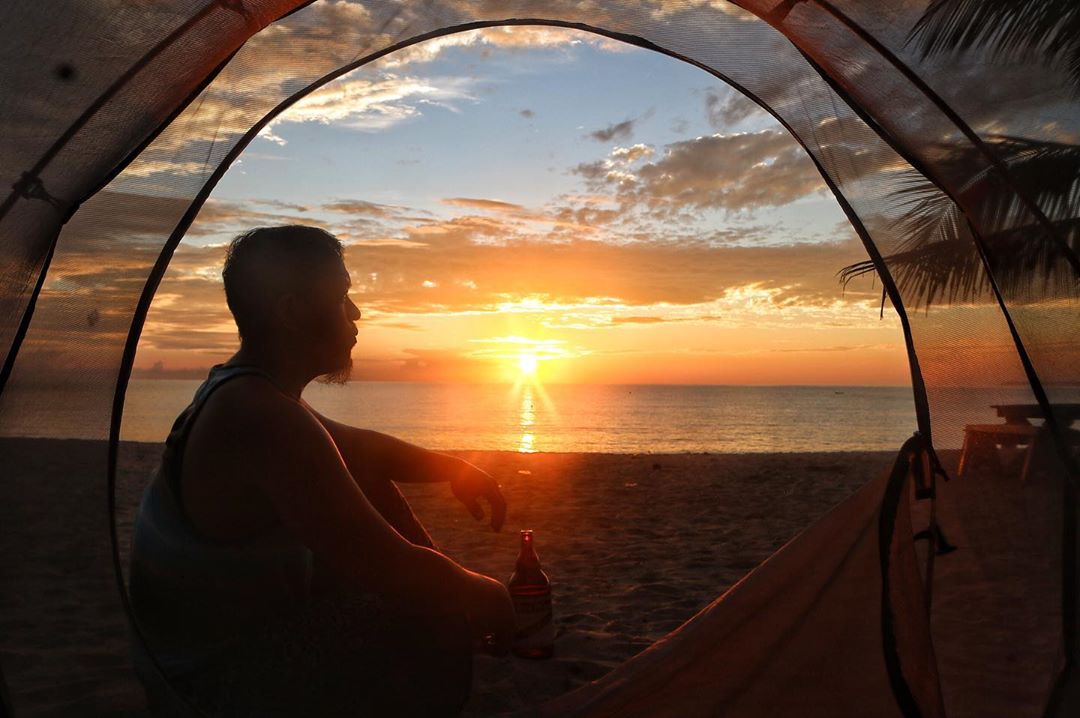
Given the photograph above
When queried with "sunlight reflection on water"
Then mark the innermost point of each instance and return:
(528, 418)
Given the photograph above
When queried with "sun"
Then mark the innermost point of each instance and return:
(527, 363)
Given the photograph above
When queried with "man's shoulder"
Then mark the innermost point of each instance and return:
(243, 389)
(250, 407)
(249, 430)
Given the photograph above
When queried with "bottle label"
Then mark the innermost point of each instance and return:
(534, 626)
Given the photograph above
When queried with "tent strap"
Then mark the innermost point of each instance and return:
(915, 452)
(30, 186)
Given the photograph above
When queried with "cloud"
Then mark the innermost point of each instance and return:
(728, 107)
(619, 131)
(631, 154)
(372, 104)
(507, 37)
(479, 261)
(405, 326)
(838, 348)
(317, 40)
(497, 265)
(637, 320)
(362, 207)
(218, 217)
(424, 364)
(279, 204)
(732, 172)
(492, 205)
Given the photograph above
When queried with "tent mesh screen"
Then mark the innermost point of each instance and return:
(179, 88)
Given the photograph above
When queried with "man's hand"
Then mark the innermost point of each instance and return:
(471, 485)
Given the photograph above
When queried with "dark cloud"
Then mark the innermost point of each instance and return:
(732, 172)
(427, 365)
(620, 131)
(278, 204)
(726, 108)
(594, 171)
(586, 215)
(221, 217)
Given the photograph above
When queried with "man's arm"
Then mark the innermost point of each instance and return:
(386, 457)
(280, 449)
(370, 455)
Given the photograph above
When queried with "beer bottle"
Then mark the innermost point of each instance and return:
(530, 590)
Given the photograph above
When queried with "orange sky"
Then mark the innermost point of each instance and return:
(471, 328)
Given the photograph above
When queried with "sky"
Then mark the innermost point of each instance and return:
(547, 202)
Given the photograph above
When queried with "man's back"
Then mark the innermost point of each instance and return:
(219, 494)
(196, 594)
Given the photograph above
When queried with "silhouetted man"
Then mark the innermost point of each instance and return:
(276, 569)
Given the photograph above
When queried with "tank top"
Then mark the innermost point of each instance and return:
(196, 598)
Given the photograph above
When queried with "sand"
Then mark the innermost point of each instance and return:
(634, 544)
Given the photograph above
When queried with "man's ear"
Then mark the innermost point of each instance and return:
(288, 312)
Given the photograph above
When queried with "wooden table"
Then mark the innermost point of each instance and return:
(982, 441)
(1065, 414)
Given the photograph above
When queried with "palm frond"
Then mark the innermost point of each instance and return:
(935, 260)
(1046, 31)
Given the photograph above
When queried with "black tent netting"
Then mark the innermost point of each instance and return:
(958, 170)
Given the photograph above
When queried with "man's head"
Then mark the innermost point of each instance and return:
(287, 288)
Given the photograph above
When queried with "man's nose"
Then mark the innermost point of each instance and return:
(354, 311)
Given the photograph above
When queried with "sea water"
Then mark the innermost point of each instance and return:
(567, 417)
(594, 418)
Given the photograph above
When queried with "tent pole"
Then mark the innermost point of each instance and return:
(912, 450)
(896, 677)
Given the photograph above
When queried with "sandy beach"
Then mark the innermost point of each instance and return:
(634, 544)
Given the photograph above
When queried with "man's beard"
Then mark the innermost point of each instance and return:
(338, 376)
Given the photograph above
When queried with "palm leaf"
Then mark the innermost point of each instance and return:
(1046, 31)
(936, 261)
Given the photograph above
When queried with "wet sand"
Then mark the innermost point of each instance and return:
(634, 544)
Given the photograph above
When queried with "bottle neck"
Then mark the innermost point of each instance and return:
(527, 554)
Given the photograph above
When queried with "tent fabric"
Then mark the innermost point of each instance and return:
(997, 650)
(799, 635)
(111, 107)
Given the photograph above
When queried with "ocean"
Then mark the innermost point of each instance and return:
(592, 418)
(563, 417)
